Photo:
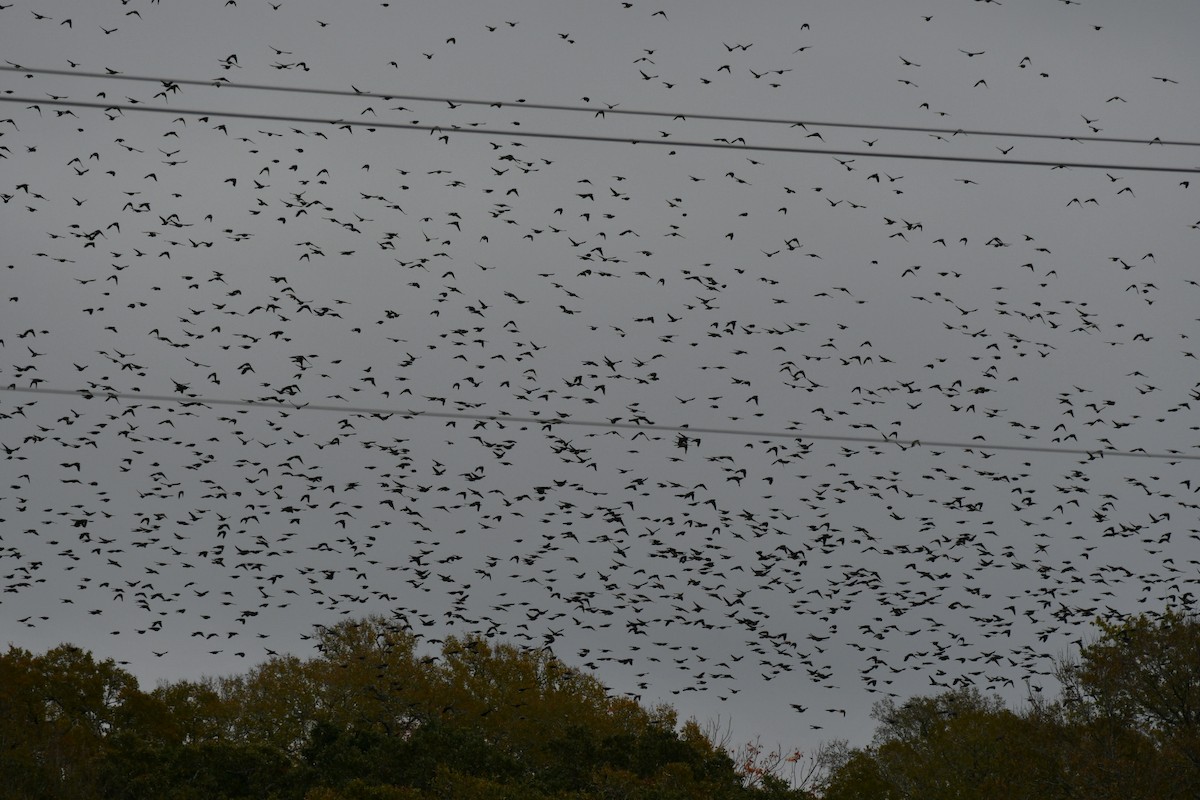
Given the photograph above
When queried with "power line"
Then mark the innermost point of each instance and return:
(196, 400)
(413, 98)
(447, 130)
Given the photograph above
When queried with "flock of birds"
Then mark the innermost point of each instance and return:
(697, 419)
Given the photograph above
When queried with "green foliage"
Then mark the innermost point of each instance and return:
(1135, 696)
(367, 719)
(58, 714)
(1146, 672)
(1125, 729)
(371, 719)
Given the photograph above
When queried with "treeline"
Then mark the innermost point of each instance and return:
(371, 718)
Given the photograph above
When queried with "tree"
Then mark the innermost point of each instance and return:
(958, 744)
(368, 675)
(1135, 694)
(25, 731)
(1144, 671)
(367, 719)
(1125, 729)
(534, 708)
(276, 703)
(61, 711)
(198, 709)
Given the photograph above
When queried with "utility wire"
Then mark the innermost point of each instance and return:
(196, 400)
(446, 130)
(413, 98)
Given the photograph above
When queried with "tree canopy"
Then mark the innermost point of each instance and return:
(1127, 726)
(369, 717)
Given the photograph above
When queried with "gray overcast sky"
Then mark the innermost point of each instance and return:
(783, 297)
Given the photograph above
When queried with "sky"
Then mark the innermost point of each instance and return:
(424, 326)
